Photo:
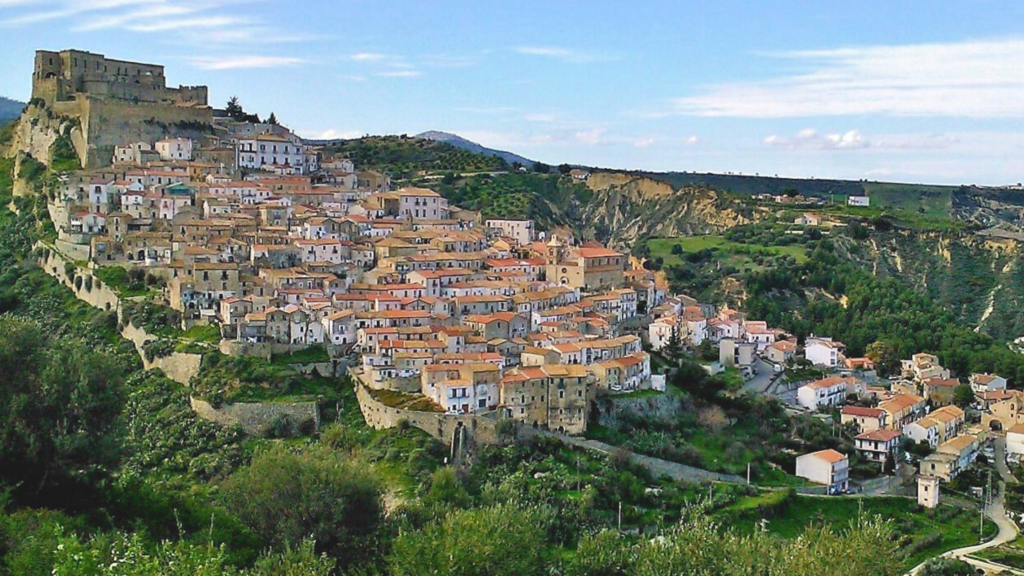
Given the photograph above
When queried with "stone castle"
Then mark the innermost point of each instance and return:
(100, 103)
(69, 74)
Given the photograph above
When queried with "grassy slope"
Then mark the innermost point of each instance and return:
(929, 532)
(663, 247)
(1011, 554)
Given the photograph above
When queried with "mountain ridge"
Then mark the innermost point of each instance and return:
(463, 143)
(9, 109)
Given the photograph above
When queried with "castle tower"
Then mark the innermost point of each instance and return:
(928, 491)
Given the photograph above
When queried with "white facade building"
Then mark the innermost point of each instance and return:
(823, 352)
(175, 149)
(270, 151)
(826, 467)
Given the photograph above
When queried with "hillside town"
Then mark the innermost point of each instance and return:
(284, 247)
(282, 260)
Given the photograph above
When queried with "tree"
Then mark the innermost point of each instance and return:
(286, 496)
(234, 109)
(541, 168)
(674, 346)
(272, 119)
(503, 540)
(963, 396)
(564, 169)
(676, 249)
(946, 567)
(121, 554)
(59, 403)
(697, 545)
(885, 357)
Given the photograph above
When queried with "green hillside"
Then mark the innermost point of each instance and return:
(406, 156)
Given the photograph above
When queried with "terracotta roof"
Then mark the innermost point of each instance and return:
(862, 411)
(828, 455)
(880, 435)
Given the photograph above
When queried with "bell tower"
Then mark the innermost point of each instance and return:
(555, 251)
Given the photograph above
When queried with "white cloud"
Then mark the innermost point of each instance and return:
(980, 79)
(535, 117)
(399, 74)
(369, 57)
(333, 134)
(487, 109)
(564, 54)
(594, 136)
(810, 139)
(643, 142)
(191, 22)
(244, 62)
(691, 140)
(203, 22)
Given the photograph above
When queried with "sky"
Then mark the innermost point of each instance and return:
(916, 91)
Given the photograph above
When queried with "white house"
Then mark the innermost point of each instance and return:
(267, 151)
(175, 149)
(522, 231)
(858, 201)
(130, 153)
(823, 351)
(826, 467)
(878, 444)
(660, 331)
(924, 430)
(830, 391)
(987, 383)
(1015, 440)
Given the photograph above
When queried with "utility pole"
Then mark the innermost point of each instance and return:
(620, 515)
(985, 500)
(748, 473)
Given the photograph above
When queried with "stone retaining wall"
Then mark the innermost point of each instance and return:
(179, 366)
(255, 417)
(480, 428)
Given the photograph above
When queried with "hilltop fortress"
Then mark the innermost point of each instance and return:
(68, 75)
(99, 103)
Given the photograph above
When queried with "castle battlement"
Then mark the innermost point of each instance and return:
(62, 76)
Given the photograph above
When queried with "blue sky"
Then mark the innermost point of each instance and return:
(910, 91)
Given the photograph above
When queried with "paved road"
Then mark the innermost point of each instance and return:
(1000, 451)
(762, 379)
(1007, 532)
(657, 466)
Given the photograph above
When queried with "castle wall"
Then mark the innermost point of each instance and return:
(107, 123)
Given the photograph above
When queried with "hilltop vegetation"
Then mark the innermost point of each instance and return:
(405, 156)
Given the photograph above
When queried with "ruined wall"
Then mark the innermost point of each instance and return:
(254, 418)
(480, 428)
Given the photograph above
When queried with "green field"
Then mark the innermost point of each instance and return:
(925, 533)
(732, 250)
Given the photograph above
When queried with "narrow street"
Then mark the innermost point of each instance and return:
(762, 379)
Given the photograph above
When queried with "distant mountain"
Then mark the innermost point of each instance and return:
(9, 109)
(460, 142)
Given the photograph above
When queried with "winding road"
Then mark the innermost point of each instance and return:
(997, 513)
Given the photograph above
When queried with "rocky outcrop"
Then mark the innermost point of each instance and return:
(626, 207)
